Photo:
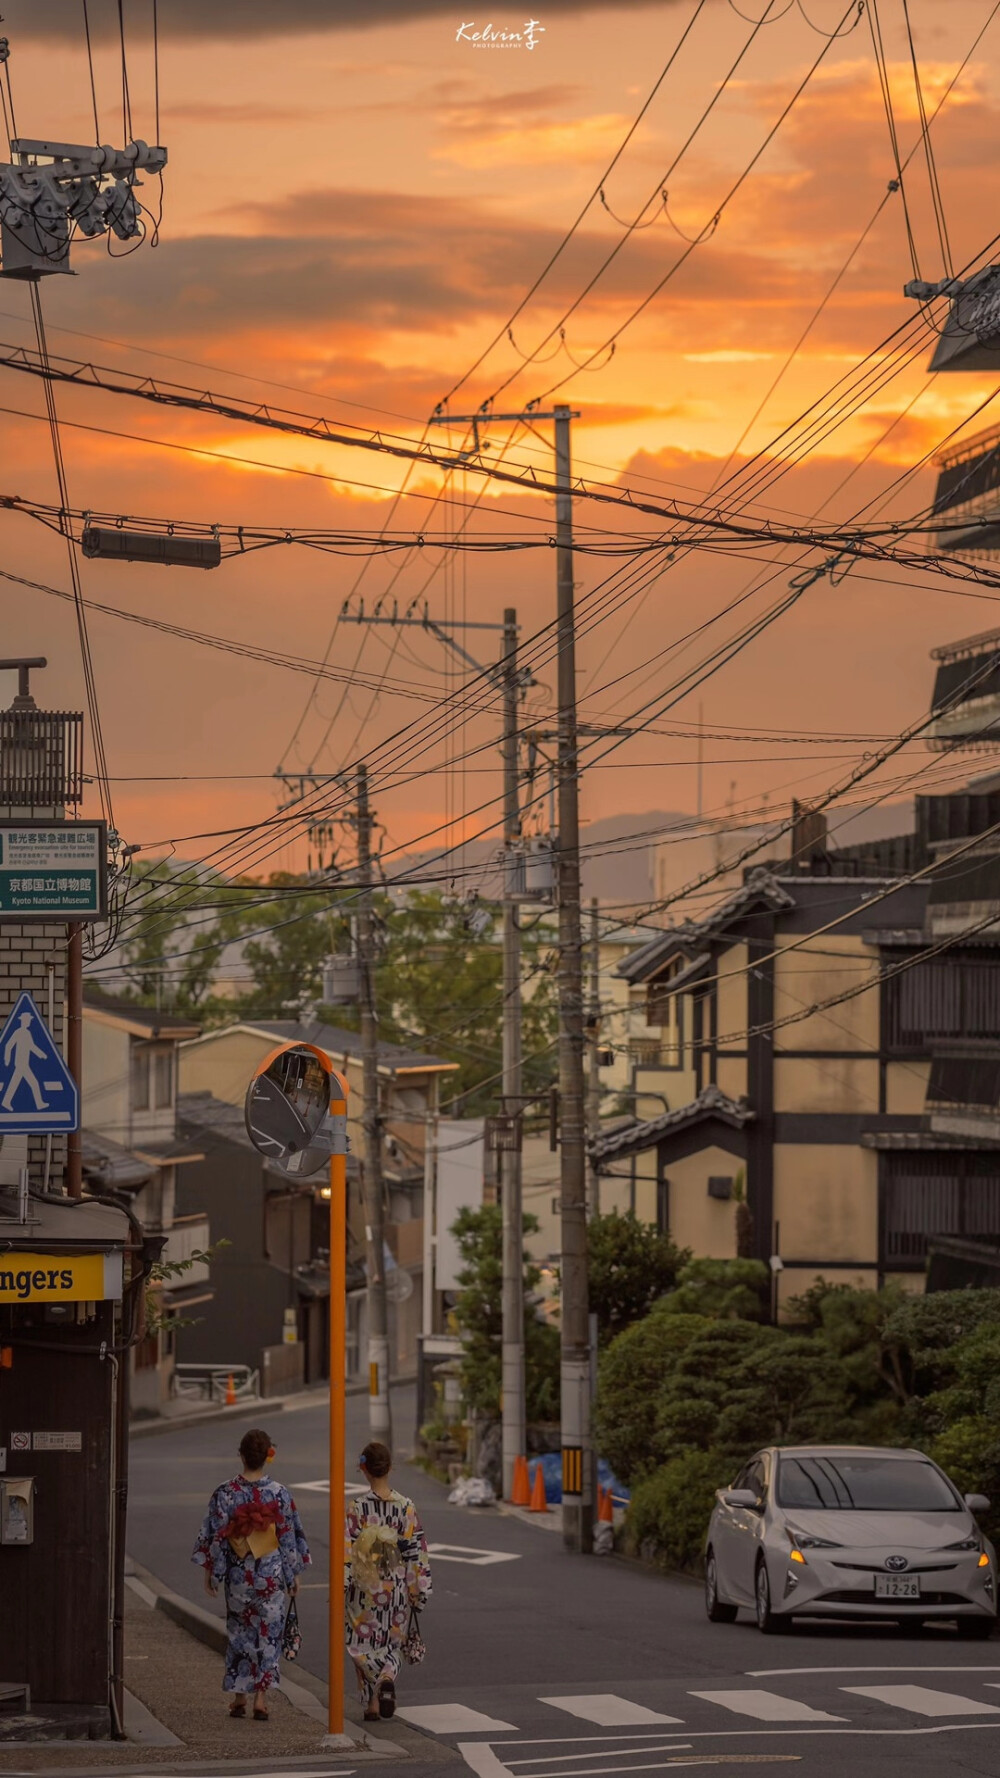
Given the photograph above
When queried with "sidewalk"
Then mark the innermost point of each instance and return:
(177, 1713)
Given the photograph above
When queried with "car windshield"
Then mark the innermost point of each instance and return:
(865, 1484)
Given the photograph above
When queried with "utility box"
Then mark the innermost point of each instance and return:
(60, 1522)
(17, 1509)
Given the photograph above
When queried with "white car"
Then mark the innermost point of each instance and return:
(841, 1531)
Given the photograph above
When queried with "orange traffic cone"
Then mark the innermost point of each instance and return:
(230, 1392)
(520, 1493)
(600, 1500)
(606, 1508)
(538, 1504)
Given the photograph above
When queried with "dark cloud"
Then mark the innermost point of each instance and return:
(261, 18)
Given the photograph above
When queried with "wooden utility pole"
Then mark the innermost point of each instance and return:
(594, 1057)
(379, 1417)
(514, 1431)
(577, 1503)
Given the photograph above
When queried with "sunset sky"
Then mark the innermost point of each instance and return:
(355, 203)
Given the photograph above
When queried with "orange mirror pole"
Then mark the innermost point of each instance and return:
(338, 1370)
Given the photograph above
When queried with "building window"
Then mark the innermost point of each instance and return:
(945, 998)
(163, 1077)
(140, 1080)
(944, 1193)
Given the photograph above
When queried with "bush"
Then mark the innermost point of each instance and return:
(633, 1371)
(969, 1452)
(670, 1509)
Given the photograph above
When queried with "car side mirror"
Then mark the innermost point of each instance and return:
(978, 1503)
(739, 1497)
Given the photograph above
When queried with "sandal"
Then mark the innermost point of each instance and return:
(387, 1698)
(238, 1707)
(261, 1713)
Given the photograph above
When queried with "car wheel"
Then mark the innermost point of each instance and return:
(975, 1629)
(767, 1623)
(717, 1610)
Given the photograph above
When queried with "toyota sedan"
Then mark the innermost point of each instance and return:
(848, 1532)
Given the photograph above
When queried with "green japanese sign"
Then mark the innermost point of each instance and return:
(53, 870)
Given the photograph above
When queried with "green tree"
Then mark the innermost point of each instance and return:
(479, 1317)
(303, 925)
(721, 1288)
(630, 1266)
(179, 921)
(439, 983)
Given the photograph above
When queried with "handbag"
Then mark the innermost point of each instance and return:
(414, 1647)
(291, 1639)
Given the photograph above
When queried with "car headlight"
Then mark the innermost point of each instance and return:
(805, 1540)
(966, 1543)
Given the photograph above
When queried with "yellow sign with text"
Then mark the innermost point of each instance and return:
(60, 1277)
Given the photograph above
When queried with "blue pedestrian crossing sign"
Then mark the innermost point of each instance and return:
(37, 1091)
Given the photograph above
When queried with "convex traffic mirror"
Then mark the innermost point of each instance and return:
(296, 1111)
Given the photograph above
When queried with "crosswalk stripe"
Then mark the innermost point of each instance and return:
(766, 1706)
(923, 1701)
(608, 1710)
(451, 1719)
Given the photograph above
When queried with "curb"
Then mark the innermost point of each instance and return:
(306, 1694)
(275, 1404)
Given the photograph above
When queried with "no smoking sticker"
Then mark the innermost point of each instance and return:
(20, 1441)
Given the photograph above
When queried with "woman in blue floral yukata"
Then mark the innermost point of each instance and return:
(252, 1545)
(387, 1582)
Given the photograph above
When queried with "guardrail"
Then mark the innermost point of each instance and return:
(210, 1382)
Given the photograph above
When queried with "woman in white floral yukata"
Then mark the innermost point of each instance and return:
(253, 1546)
(387, 1580)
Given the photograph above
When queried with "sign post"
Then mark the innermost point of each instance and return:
(296, 1115)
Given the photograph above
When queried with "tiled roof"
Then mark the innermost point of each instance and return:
(143, 1021)
(761, 889)
(393, 1057)
(647, 1132)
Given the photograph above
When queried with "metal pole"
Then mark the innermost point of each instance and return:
(577, 1508)
(514, 1435)
(593, 1057)
(338, 1372)
(379, 1418)
(74, 1051)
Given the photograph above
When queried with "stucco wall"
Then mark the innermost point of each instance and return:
(706, 1225)
(906, 1087)
(826, 1201)
(812, 973)
(827, 1083)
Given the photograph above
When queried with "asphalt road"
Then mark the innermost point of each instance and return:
(544, 1666)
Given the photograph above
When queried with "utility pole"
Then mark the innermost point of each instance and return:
(577, 1505)
(514, 1432)
(379, 1417)
(577, 1489)
(594, 1057)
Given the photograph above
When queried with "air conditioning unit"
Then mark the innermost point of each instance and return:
(341, 981)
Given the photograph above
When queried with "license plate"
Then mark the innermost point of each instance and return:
(897, 1586)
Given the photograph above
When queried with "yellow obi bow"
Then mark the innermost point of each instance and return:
(257, 1544)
